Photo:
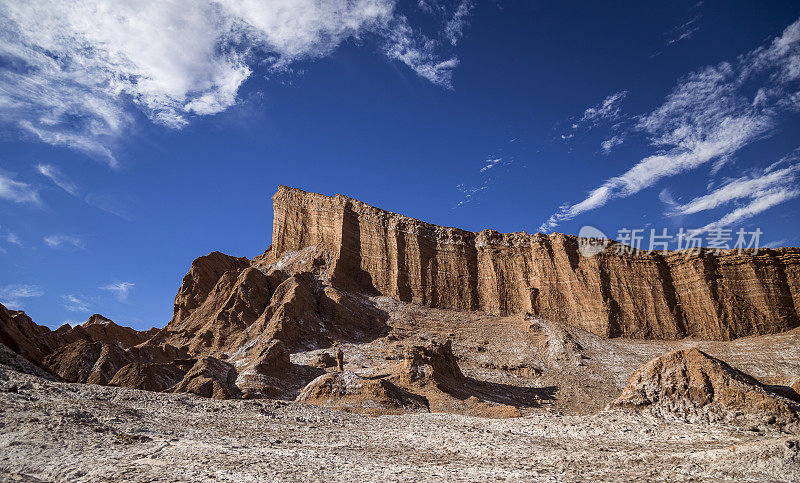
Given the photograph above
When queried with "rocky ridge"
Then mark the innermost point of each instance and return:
(635, 295)
(430, 318)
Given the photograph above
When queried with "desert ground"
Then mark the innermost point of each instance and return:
(562, 386)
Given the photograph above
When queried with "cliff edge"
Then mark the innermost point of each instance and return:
(639, 295)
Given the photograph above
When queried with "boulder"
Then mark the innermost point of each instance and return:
(433, 363)
(351, 392)
(699, 388)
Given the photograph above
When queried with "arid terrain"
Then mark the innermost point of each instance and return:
(368, 345)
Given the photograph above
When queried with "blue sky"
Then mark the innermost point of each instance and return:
(136, 137)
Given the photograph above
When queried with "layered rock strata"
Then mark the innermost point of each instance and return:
(654, 296)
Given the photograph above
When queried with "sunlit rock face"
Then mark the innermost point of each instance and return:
(655, 296)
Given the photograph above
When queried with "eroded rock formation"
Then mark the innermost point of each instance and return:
(351, 392)
(691, 384)
(241, 327)
(639, 295)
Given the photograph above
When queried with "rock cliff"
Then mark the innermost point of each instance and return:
(651, 296)
(246, 328)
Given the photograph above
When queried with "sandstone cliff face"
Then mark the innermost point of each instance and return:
(637, 295)
(240, 326)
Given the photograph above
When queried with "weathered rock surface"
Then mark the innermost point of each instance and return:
(102, 329)
(719, 297)
(20, 334)
(85, 361)
(255, 328)
(351, 392)
(68, 432)
(154, 377)
(91, 352)
(433, 363)
(209, 377)
(202, 277)
(696, 386)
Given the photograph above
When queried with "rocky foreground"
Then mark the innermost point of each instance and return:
(53, 431)
(365, 344)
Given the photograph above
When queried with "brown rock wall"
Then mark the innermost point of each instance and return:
(632, 295)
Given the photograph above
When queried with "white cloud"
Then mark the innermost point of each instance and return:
(12, 238)
(744, 187)
(54, 174)
(17, 191)
(612, 142)
(73, 71)
(707, 117)
(120, 289)
(12, 296)
(110, 203)
(420, 53)
(454, 29)
(64, 241)
(761, 191)
(490, 163)
(685, 30)
(756, 206)
(607, 110)
(469, 192)
(666, 197)
(75, 303)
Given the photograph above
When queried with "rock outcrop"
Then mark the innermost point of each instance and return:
(154, 377)
(250, 328)
(71, 352)
(23, 336)
(695, 386)
(351, 392)
(209, 377)
(86, 361)
(433, 363)
(637, 295)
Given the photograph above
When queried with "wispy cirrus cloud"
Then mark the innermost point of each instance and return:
(491, 163)
(469, 192)
(13, 296)
(755, 194)
(76, 303)
(76, 74)
(609, 109)
(17, 191)
(419, 53)
(706, 118)
(492, 167)
(685, 30)
(118, 204)
(612, 142)
(121, 290)
(55, 175)
(11, 238)
(64, 241)
(454, 28)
